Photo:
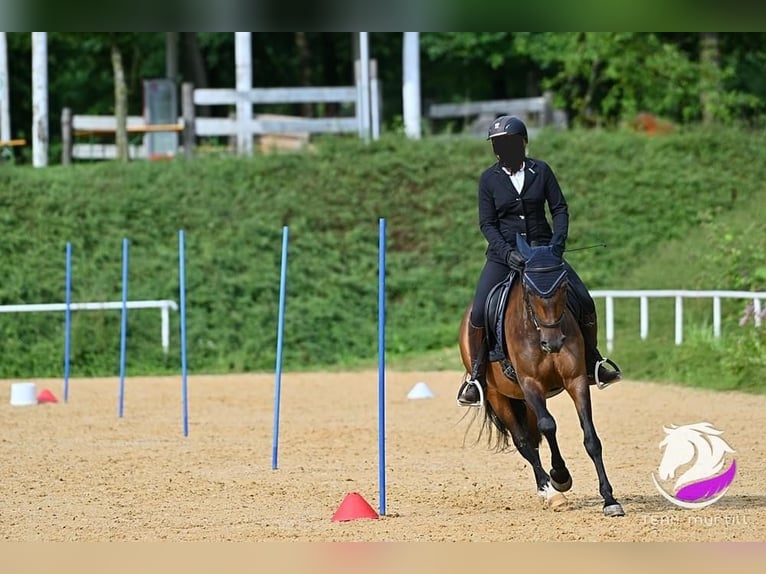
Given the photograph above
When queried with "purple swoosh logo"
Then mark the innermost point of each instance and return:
(709, 487)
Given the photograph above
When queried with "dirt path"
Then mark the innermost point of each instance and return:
(78, 472)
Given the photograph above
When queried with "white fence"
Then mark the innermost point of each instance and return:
(536, 112)
(164, 305)
(679, 295)
(77, 130)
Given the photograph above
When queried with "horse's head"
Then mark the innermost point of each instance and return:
(545, 292)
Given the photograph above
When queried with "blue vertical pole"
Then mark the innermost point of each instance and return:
(123, 325)
(280, 340)
(67, 319)
(182, 300)
(382, 364)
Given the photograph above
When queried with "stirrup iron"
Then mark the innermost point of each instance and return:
(478, 385)
(614, 366)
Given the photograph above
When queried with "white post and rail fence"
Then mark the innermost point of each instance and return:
(757, 300)
(359, 108)
(164, 305)
(643, 296)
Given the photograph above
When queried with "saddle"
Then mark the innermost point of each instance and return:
(494, 314)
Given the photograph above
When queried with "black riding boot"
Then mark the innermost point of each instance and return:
(470, 394)
(589, 328)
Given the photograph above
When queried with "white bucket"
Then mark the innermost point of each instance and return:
(23, 394)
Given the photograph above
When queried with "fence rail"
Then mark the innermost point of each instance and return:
(77, 128)
(164, 305)
(679, 295)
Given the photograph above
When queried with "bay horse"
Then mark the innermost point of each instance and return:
(545, 347)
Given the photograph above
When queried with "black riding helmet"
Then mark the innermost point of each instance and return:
(507, 126)
(508, 135)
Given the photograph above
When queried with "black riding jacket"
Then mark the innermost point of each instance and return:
(503, 212)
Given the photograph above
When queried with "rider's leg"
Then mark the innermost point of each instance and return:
(492, 274)
(469, 395)
(589, 328)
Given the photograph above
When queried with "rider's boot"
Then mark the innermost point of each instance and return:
(598, 374)
(471, 392)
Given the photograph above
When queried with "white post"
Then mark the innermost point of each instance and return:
(679, 320)
(609, 305)
(374, 100)
(644, 317)
(364, 84)
(244, 69)
(411, 84)
(717, 317)
(757, 311)
(165, 334)
(39, 99)
(5, 106)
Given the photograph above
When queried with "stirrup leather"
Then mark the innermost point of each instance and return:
(599, 383)
(478, 385)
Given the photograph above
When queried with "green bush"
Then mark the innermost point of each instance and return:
(659, 203)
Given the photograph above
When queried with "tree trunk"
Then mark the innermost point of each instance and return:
(710, 76)
(120, 104)
(195, 62)
(304, 62)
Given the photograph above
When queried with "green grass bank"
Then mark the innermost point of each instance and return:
(685, 210)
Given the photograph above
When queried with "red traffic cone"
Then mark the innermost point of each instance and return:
(353, 506)
(45, 396)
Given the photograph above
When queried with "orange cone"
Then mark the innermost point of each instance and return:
(45, 396)
(353, 506)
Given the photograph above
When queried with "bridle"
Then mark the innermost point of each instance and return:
(558, 285)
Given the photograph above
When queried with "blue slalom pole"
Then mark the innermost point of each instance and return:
(182, 300)
(123, 325)
(280, 340)
(382, 364)
(67, 319)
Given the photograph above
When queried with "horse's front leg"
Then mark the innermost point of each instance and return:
(580, 393)
(559, 480)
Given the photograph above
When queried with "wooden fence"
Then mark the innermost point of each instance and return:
(83, 135)
(474, 117)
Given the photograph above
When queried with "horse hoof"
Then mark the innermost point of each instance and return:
(614, 510)
(557, 501)
(562, 486)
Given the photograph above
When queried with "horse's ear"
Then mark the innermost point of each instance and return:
(522, 246)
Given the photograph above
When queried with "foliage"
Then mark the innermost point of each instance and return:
(659, 203)
(600, 79)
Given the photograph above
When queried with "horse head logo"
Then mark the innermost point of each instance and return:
(694, 456)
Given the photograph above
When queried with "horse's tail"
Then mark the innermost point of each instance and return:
(498, 434)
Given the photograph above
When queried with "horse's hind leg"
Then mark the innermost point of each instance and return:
(581, 396)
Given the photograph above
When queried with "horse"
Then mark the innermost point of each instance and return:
(545, 347)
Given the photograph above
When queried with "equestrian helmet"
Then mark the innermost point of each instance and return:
(507, 126)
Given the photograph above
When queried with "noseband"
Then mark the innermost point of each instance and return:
(555, 286)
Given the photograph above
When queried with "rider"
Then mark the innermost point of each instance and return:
(512, 197)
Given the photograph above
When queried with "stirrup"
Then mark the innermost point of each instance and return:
(477, 384)
(614, 366)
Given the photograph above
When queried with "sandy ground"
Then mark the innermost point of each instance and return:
(78, 472)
